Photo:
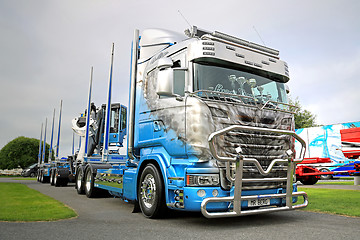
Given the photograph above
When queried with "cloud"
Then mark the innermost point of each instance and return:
(48, 47)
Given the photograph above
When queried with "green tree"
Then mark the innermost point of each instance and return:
(21, 151)
(303, 117)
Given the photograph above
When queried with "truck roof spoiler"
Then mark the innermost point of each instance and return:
(201, 33)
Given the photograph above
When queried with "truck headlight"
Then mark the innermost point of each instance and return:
(202, 180)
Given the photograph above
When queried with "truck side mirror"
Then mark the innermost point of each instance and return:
(287, 89)
(165, 81)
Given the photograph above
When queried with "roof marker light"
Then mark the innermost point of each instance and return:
(209, 53)
(230, 48)
(272, 60)
(209, 48)
(208, 43)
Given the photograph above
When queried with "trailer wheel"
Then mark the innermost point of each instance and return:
(150, 192)
(79, 184)
(309, 180)
(65, 182)
(52, 177)
(90, 190)
(39, 175)
(57, 181)
(42, 177)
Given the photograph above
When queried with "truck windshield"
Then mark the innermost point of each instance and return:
(233, 83)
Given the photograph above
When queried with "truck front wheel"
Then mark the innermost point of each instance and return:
(150, 192)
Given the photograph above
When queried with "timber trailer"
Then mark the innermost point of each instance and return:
(209, 129)
(57, 172)
(45, 166)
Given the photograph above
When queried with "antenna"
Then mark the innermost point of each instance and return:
(259, 36)
(185, 19)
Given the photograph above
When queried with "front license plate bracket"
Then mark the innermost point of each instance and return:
(259, 202)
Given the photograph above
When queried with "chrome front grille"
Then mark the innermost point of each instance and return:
(263, 147)
(265, 154)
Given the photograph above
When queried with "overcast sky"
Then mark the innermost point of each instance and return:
(48, 47)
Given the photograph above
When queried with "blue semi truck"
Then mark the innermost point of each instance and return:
(208, 128)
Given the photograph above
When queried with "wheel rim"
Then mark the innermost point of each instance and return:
(148, 191)
(78, 181)
(88, 182)
(52, 177)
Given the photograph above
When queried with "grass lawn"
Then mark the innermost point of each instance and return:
(342, 202)
(21, 203)
(25, 178)
(337, 183)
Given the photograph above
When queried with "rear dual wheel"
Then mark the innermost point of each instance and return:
(79, 183)
(90, 190)
(52, 175)
(56, 180)
(38, 176)
(42, 180)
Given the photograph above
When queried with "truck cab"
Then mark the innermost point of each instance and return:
(211, 117)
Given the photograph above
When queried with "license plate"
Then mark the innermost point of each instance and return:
(259, 202)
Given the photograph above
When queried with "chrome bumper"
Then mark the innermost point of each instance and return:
(238, 179)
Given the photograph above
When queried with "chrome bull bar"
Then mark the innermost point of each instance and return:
(238, 179)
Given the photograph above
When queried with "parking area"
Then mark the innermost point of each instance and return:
(111, 218)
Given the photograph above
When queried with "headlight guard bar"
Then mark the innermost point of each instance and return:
(239, 160)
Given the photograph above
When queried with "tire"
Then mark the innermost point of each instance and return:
(32, 174)
(310, 180)
(90, 190)
(64, 182)
(325, 177)
(38, 176)
(79, 183)
(52, 175)
(42, 177)
(57, 181)
(150, 192)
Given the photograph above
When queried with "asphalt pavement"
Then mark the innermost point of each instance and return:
(111, 218)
